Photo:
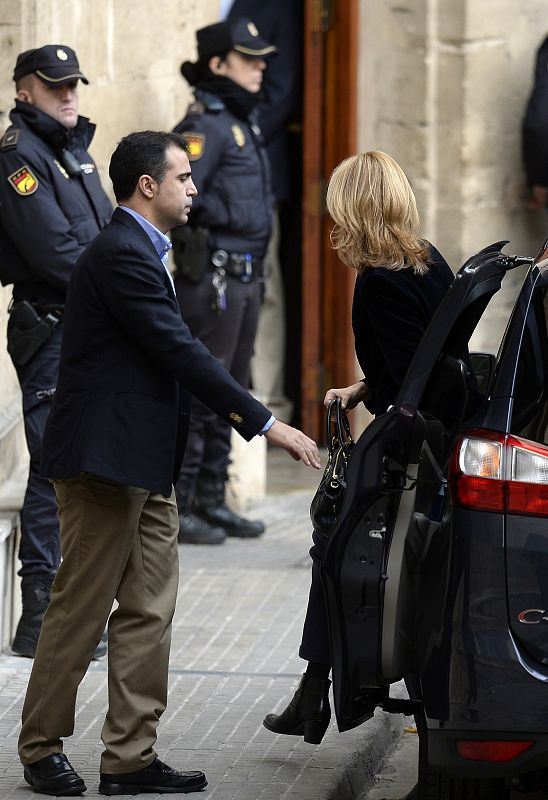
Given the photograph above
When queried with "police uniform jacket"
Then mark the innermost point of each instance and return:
(128, 364)
(47, 216)
(231, 172)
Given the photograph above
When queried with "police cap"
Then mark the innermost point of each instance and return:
(54, 64)
(235, 34)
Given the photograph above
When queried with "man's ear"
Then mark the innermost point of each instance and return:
(147, 186)
(24, 96)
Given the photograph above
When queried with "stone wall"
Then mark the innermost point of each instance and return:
(443, 86)
(131, 51)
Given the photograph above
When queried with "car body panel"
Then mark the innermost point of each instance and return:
(414, 584)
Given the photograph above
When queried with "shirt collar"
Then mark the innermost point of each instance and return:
(160, 241)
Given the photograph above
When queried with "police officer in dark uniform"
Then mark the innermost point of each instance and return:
(52, 205)
(219, 254)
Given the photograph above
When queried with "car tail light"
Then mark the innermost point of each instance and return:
(492, 750)
(499, 472)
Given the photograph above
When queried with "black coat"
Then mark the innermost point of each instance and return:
(43, 232)
(281, 23)
(128, 364)
(390, 313)
(232, 176)
(535, 123)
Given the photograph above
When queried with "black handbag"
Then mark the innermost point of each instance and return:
(327, 501)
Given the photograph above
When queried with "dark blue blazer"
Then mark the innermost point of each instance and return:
(128, 366)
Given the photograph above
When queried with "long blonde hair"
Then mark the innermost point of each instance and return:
(375, 215)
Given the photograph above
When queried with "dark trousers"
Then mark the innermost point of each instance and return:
(229, 336)
(40, 549)
(315, 640)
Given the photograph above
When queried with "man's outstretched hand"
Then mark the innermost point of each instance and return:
(297, 444)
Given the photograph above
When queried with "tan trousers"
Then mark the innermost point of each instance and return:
(118, 543)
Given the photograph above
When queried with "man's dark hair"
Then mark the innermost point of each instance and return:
(141, 153)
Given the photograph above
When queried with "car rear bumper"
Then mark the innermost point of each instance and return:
(443, 754)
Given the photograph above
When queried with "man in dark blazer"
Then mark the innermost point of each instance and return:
(113, 447)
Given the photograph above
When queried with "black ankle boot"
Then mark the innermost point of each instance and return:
(210, 505)
(35, 590)
(307, 714)
(193, 529)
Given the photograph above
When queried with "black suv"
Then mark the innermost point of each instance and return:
(437, 570)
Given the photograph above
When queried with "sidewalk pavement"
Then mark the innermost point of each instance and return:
(234, 659)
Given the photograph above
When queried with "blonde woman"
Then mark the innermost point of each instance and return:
(400, 282)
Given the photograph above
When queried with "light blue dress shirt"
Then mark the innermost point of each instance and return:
(161, 242)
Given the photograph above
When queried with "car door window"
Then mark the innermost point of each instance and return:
(530, 406)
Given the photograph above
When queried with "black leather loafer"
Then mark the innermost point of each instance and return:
(53, 775)
(157, 777)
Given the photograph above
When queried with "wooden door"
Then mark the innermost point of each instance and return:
(329, 135)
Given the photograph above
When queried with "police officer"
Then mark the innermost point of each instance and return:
(219, 254)
(52, 206)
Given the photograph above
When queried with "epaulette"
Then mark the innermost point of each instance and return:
(196, 109)
(211, 102)
(10, 138)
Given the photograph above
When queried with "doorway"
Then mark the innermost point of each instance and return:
(329, 135)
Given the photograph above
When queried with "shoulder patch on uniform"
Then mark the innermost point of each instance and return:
(23, 181)
(10, 139)
(239, 135)
(195, 143)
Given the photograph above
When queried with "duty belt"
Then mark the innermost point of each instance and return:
(239, 265)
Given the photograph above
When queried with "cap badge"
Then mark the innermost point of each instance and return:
(239, 136)
(61, 55)
(252, 29)
(23, 181)
(195, 143)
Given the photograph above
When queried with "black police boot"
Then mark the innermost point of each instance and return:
(307, 714)
(35, 593)
(192, 528)
(210, 505)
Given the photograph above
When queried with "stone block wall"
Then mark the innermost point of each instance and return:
(130, 51)
(443, 89)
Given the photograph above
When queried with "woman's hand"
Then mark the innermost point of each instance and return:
(350, 395)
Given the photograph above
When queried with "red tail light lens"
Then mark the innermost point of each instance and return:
(499, 472)
(491, 750)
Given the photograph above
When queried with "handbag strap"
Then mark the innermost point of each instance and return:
(337, 432)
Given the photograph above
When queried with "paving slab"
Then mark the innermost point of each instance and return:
(234, 659)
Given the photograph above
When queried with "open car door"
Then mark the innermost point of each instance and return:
(395, 496)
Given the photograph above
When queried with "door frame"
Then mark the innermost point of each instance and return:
(329, 135)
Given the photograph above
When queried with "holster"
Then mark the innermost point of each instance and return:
(28, 331)
(191, 252)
